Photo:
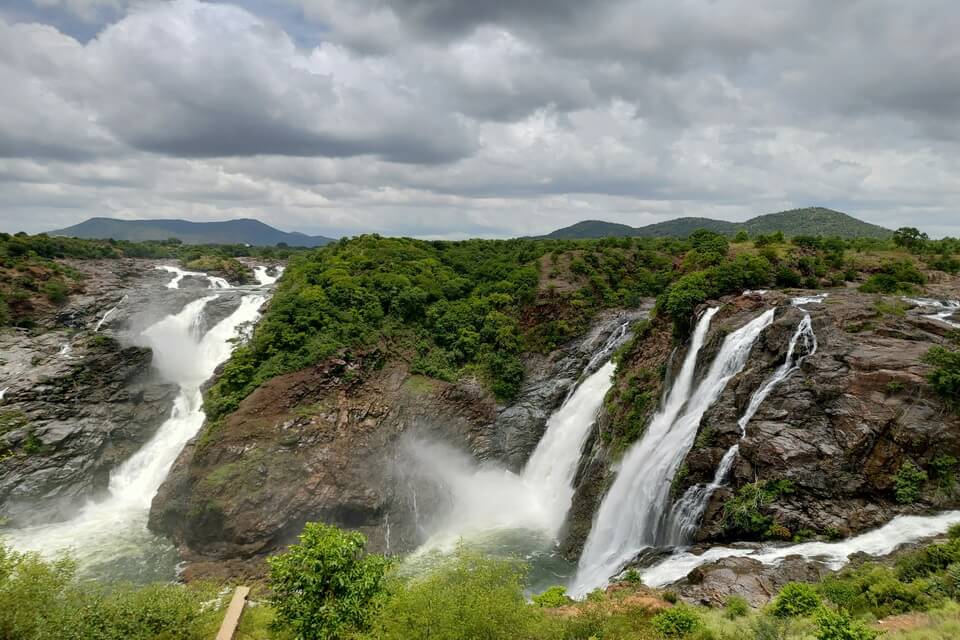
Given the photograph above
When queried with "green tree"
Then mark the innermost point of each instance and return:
(910, 238)
(324, 588)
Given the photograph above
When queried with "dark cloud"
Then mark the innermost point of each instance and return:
(447, 117)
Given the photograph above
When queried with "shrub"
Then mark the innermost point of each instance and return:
(633, 576)
(796, 599)
(670, 596)
(736, 607)
(56, 291)
(555, 596)
(838, 625)
(908, 481)
(945, 377)
(894, 277)
(744, 511)
(676, 622)
(325, 585)
(954, 531)
(465, 597)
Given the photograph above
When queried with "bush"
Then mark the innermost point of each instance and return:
(41, 600)
(838, 625)
(744, 511)
(945, 377)
(464, 598)
(676, 622)
(894, 277)
(736, 607)
(56, 291)
(555, 596)
(796, 599)
(908, 482)
(325, 586)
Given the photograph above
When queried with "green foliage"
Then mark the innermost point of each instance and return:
(838, 625)
(676, 622)
(910, 238)
(41, 600)
(794, 600)
(908, 482)
(736, 607)
(945, 376)
(465, 597)
(230, 268)
(730, 276)
(325, 586)
(633, 577)
(744, 512)
(898, 276)
(555, 596)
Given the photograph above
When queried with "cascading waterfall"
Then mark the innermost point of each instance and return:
(632, 514)
(106, 317)
(114, 531)
(264, 278)
(487, 498)
(687, 512)
(943, 310)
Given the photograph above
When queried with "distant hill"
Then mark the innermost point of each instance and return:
(242, 231)
(812, 221)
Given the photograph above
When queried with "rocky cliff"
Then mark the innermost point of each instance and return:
(331, 443)
(838, 430)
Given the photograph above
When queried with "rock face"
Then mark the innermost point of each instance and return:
(69, 417)
(333, 443)
(842, 426)
(713, 583)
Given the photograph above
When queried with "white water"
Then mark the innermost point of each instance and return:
(901, 530)
(3, 392)
(263, 278)
(487, 499)
(633, 513)
(686, 514)
(115, 528)
(943, 309)
(805, 300)
(179, 274)
(105, 318)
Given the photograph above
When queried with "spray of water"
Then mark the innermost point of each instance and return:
(114, 531)
(687, 512)
(486, 500)
(633, 513)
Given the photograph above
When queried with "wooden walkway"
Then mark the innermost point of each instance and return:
(234, 611)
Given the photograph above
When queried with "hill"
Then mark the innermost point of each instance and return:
(811, 221)
(242, 231)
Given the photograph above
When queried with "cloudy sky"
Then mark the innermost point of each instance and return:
(464, 118)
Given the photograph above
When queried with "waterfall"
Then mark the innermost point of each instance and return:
(487, 498)
(114, 529)
(265, 279)
(632, 514)
(105, 318)
(686, 514)
(943, 310)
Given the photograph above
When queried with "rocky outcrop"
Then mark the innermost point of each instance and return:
(333, 443)
(841, 427)
(73, 410)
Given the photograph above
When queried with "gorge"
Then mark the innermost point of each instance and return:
(813, 399)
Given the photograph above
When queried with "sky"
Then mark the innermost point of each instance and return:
(468, 118)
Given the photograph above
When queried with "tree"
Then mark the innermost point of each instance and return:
(324, 587)
(910, 238)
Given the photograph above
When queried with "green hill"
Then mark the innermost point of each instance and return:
(813, 221)
(242, 231)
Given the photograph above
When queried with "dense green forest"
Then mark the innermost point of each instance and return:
(473, 307)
